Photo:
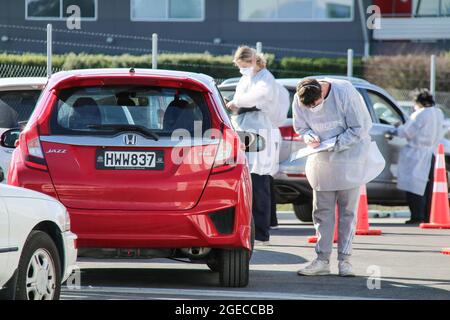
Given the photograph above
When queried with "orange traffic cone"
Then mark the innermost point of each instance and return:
(440, 215)
(313, 239)
(362, 227)
(446, 251)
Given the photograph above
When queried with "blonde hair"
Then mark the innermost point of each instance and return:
(247, 54)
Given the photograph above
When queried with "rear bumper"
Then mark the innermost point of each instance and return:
(173, 229)
(70, 253)
(119, 229)
(292, 190)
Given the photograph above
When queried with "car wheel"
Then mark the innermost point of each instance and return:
(39, 271)
(213, 264)
(234, 267)
(304, 211)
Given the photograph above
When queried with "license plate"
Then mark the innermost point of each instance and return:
(129, 160)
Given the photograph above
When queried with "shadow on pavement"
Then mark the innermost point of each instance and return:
(282, 282)
(266, 256)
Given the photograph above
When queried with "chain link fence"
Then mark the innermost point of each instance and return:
(19, 70)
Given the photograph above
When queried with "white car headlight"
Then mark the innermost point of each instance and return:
(67, 221)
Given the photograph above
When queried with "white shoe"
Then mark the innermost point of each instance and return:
(261, 243)
(274, 227)
(346, 269)
(315, 268)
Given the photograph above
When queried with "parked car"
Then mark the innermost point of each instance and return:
(291, 185)
(37, 249)
(18, 97)
(101, 142)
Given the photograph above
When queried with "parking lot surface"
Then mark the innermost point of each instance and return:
(404, 263)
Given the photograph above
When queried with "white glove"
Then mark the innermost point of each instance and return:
(311, 138)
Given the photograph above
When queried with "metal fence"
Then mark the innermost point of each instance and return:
(20, 70)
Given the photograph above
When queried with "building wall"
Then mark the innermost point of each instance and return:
(221, 21)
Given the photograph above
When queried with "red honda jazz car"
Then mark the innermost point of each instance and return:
(147, 164)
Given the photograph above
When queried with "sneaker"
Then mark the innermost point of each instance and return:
(315, 268)
(274, 227)
(261, 243)
(346, 269)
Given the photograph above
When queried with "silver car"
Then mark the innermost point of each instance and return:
(291, 185)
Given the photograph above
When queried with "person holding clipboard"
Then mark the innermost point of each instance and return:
(322, 111)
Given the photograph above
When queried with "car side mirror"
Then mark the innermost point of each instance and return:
(8, 138)
(253, 142)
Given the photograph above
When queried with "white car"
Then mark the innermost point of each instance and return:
(37, 250)
(18, 97)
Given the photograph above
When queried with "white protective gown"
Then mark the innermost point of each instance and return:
(422, 131)
(344, 115)
(259, 91)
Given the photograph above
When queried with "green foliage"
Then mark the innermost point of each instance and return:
(406, 72)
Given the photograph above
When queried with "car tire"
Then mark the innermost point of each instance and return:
(9, 290)
(39, 259)
(234, 267)
(213, 264)
(304, 211)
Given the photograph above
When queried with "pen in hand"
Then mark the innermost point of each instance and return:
(312, 141)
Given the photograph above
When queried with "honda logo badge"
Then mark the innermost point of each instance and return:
(130, 139)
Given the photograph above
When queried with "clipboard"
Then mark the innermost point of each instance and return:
(304, 152)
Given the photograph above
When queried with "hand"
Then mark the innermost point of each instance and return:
(232, 106)
(312, 140)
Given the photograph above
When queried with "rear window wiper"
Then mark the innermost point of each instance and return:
(126, 127)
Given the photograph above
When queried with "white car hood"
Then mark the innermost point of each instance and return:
(15, 192)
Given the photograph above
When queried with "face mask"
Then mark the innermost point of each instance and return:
(246, 71)
(317, 108)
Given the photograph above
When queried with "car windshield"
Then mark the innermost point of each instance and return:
(108, 109)
(16, 106)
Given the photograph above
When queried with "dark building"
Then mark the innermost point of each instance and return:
(285, 27)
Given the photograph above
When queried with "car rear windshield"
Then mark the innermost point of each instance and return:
(96, 110)
(16, 106)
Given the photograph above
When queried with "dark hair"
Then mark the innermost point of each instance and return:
(423, 97)
(309, 91)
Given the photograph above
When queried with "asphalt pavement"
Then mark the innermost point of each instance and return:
(403, 263)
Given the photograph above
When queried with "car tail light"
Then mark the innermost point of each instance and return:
(296, 175)
(288, 133)
(227, 151)
(32, 149)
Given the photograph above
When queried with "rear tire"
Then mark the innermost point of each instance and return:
(213, 263)
(39, 254)
(304, 211)
(234, 267)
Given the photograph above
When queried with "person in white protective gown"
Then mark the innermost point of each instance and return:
(256, 95)
(324, 110)
(416, 161)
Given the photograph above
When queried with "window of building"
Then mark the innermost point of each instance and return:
(296, 10)
(57, 9)
(167, 10)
